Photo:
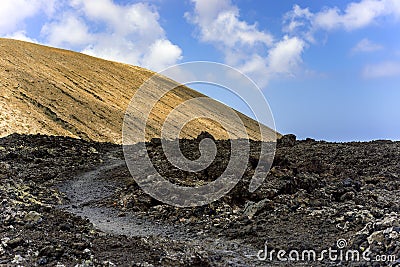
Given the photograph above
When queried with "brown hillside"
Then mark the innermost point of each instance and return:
(57, 92)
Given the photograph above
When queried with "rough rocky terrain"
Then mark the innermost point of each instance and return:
(69, 202)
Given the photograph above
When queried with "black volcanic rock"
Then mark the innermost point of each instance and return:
(287, 140)
(314, 194)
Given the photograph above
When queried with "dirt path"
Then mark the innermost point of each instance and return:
(87, 189)
(90, 187)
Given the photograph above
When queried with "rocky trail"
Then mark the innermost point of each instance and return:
(88, 190)
(85, 193)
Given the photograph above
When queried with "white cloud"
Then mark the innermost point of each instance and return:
(162, 53)
(286, 55)
(297, 19)
(365, 45)
(253, 51)
(14, 12)
(219, 22)
(284, 58)
(304, 24)
(356, 15)
(122, 50)
(70, 31)
(256, 67)
(128, 33)
(382, 70)
(21, 35)
(134, 19)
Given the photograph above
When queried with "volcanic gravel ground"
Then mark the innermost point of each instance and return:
(74, 203)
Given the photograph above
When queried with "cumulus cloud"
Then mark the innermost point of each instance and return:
(162, 53)
(219, 22)
(20, 35)
(286, 55)
(70, 31)
(365, 45)
(263, 56)
(297, 22)
(244, 45)
(382, 70)
(14, 12)
(356, 15)
(128, 33)
(303, 23)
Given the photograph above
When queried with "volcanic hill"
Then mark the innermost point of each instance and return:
(58, 92)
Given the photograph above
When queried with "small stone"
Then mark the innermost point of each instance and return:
(388, 230)
(93, 150)
(13, 243)
(348, 182)
(253, 209)
(47, 251)
(59, 252)
(347, 196)
(17, 259)
(42, 261)
(65, 227)
(79, 245)
(4, 167)
(33, 217)
(376, 237)
(4, 241)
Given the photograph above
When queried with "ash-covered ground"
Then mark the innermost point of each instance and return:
(68, 202)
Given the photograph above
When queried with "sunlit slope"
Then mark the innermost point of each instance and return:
(57, 92)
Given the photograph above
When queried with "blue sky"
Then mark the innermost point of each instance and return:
(329, 69)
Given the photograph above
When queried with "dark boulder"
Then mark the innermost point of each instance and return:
(287, 140)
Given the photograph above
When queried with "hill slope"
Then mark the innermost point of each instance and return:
(57, 92)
